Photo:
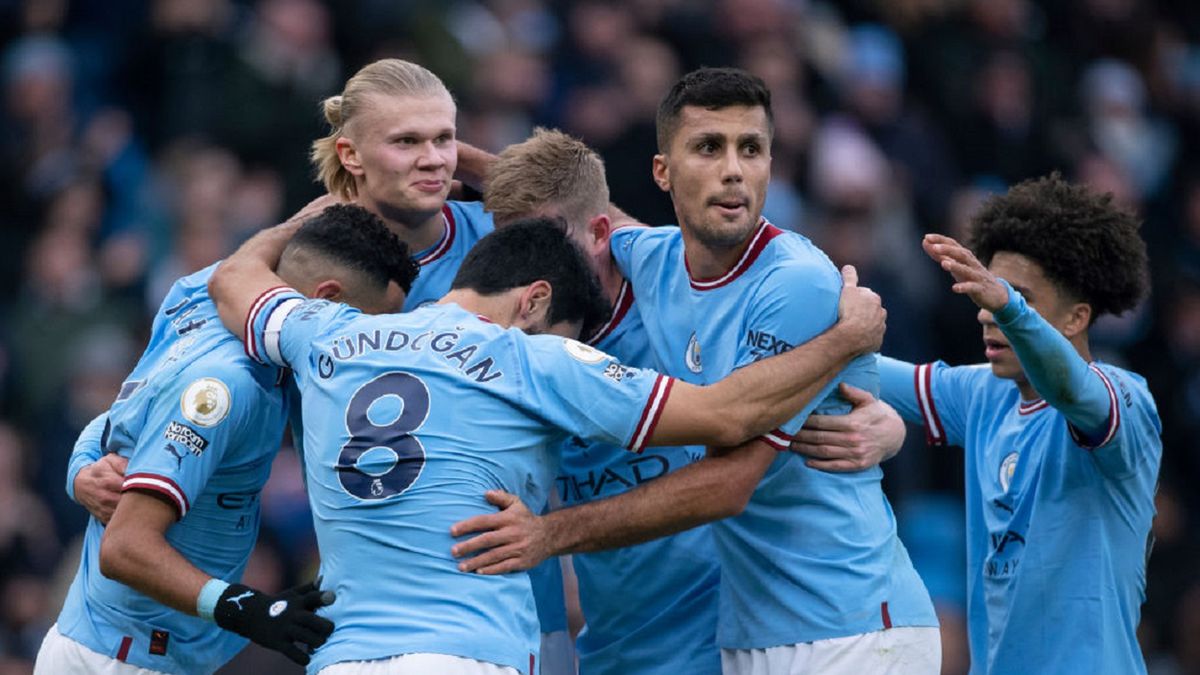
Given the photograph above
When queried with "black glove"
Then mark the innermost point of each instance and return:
(277, 621)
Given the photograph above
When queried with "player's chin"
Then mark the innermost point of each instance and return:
(1006, 369)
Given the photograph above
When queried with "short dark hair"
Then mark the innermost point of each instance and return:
(1085, 244)
(537, 249)
(353, 236)
(711, 88)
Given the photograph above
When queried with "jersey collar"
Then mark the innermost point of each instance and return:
(439, 249)
(762, 236)
(1030, 407)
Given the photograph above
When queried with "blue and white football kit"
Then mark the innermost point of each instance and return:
(409, 419)
(200, 424)
(650, 608)
(1058, 519)
(466, 223)
(814, 555)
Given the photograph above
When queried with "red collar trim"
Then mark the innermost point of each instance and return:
(484, 318)
(620, 309)
(442, 246)
(766, 232)
(1028, 407)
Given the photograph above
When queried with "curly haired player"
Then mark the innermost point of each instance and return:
(1062, 452)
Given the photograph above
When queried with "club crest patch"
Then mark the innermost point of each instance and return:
(584, 353)
(691, 356)
(1007, 468)
(205, 402)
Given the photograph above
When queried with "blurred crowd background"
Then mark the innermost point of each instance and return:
(143, 139)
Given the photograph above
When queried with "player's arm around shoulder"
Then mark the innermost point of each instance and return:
(245, 277)
(718, 486)
(775, 380)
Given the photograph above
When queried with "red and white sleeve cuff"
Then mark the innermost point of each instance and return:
(160, 484)
(264, 299)
(652, 412)
(935, 433)
(778, 439)
(1114, 417)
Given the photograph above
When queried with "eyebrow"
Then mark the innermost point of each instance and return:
(1022, 290)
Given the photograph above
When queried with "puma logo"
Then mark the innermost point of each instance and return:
(237, 600)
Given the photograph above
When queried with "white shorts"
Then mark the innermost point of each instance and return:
(60, 654)
(557, 654)
(418, 664)
(907, 650)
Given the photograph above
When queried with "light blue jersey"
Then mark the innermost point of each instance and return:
(408, 420)
(466, 223)
(1057, 524)
(814, 555)
(200, 423)
(650, 608)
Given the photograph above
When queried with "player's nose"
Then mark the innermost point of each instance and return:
(985, 317)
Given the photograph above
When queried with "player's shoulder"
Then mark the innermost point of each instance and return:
(626, 238)
(469, 218)
(326, 314)
(1130, 388)
(556, 348)
(228, 363)
(792, 272)
(790, 257)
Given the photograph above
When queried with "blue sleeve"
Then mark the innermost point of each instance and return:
(282, 325)
(190, 426)
(896, 388)
(588, 393)
(792, 306)
(1059, 374)
(943, 398)
(1132, 438)
(88, 449)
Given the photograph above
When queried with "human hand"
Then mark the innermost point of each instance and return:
(98, 486)
(278, 622)
(861, 316)
(971, 278)
(866, 436)
(513, 539)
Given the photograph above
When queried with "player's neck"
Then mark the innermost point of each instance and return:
(610, 277)
(710, 262)
(499, 308)
(418, 229)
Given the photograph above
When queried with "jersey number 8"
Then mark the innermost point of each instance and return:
(397, 436)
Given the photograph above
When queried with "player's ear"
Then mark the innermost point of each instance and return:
(348, 155)
(600, 227)
(535, 301)
(330, 289)
(661, 171)
(1079, 317)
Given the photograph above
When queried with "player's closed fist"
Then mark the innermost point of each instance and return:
(861, 316)
(286, 622)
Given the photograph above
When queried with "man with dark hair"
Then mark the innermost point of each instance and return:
(409, 418)
(1062, 451)
(198, 423)
(529, 254)
(814, 578)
